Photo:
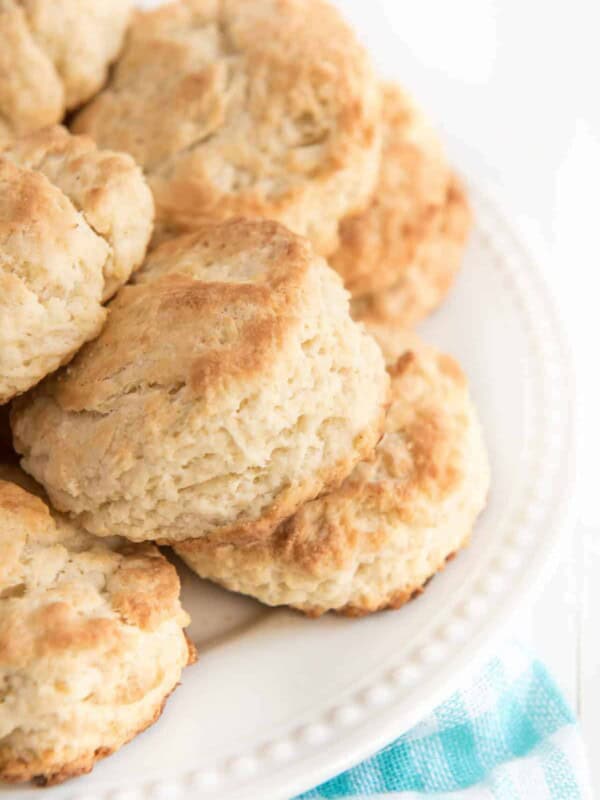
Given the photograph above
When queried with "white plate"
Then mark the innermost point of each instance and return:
(278, 703)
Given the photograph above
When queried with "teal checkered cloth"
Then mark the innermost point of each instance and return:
(508, 736)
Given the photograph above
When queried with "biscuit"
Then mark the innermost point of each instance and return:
(75, 222)
(51, 279)
(228, 387)
(400, 256)
(374, 542)
(255, 108)
(54, 56)
(91, 641)
(107, 188)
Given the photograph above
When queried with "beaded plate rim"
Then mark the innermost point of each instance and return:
(377, 711)
(372, 711)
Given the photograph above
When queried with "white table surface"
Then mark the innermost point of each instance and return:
(517, 85)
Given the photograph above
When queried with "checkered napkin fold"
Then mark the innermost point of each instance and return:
(510, 735)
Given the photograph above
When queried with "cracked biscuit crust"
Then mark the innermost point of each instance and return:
(91, 641)
(229, 386)
(107, 188)
(399, 257)
(54, 56)
(260, 108)
(374, 542)
(51, 279)
(74, 223)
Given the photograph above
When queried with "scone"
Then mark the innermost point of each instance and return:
(400, 256)
(228, 387)
(377, 540)
(91, 641)
(107, 188)
(255, 108)
(53, 57)
(74, 223)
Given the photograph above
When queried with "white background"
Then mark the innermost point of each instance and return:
(515, 87)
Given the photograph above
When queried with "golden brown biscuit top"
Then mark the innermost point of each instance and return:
(31, 92)
(64, 159)
(213, 308)
(252, 97)
(283, 70)
(107, 188)
(379, 243)
(80, 38)
(28, 198)
(53, 57)
(62, 589)
(37, 226)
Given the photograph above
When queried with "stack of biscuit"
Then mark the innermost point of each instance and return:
(207, 285)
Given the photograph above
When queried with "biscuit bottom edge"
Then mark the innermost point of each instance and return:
(44, 770)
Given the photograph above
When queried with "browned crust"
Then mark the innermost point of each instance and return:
(178, 314)
(392, 603)
(377, 244)
(400, 598)
(192, 652)
(257, 532)
(407, 245)
(53, 628)
(301, 67)
(31, 91)
(321, 532)
(143, 590)
(46, 771)
(301, 541)
(422, 284)
(19, 504)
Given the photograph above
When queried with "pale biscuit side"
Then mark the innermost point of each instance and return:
(393, 523)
